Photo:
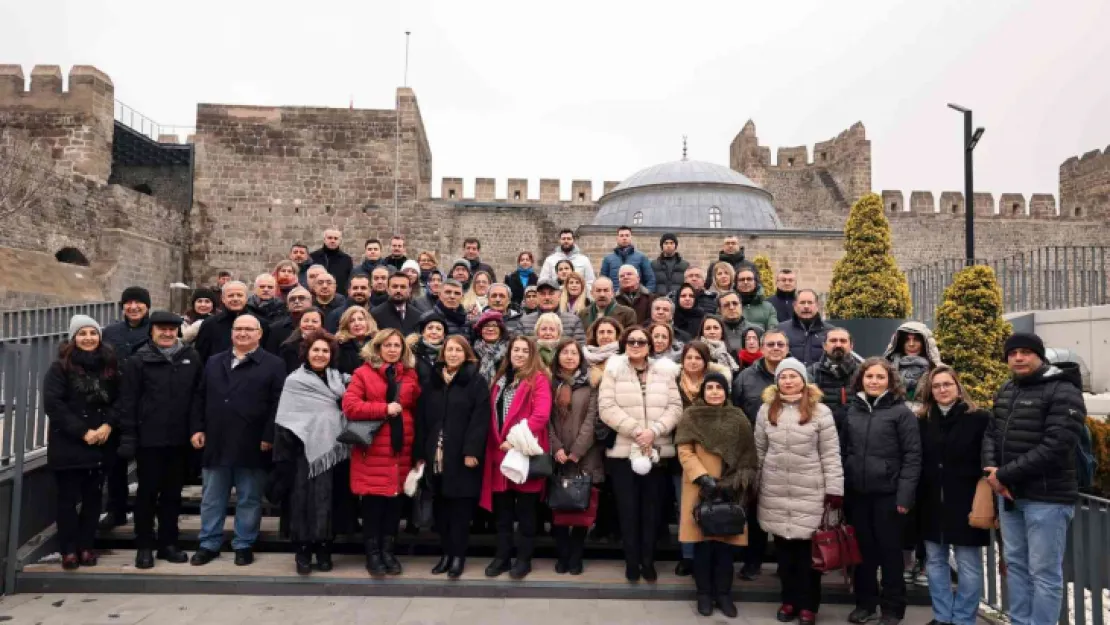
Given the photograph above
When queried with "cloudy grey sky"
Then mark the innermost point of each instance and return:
(599, 90)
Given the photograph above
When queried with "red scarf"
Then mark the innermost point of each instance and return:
(748, 358)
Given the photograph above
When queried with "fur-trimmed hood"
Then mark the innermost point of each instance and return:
(814, 394)
(920, 329)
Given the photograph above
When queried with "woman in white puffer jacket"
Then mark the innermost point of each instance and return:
(800, 475)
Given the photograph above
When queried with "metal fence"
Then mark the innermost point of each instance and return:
(146, 126)
(1042, 279)
(39, 321)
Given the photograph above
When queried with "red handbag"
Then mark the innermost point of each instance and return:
(577, 518)
(835, 545)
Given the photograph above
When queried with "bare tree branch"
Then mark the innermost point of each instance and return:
(27, 176)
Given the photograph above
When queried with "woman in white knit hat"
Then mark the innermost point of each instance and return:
(79, 394)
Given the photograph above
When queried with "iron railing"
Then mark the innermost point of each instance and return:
(39, 321)
(146, 126)
(1041, 279)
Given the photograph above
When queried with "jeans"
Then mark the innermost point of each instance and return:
(960, 607)
(1034, 536)
(215, 494)
(687, 548)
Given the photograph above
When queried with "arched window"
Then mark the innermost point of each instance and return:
(714, 217)
(71, 256)
(637, 218)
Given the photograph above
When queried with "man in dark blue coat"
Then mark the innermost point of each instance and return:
(806, 330)
(233, 421)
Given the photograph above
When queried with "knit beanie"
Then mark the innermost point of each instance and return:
(719, 378)
(667, 236)
(76, 322)
(792, 364)
(411, 264)
(461, 262)
(1026, 340)
(207, 294)
(135, 294)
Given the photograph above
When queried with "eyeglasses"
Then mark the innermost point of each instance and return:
(775, 344)
(245, 329)
(299, 298)
(745, 279)
(637, 342)
(941, 386)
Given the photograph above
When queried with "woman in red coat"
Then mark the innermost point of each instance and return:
(383, 389)
(521, 392)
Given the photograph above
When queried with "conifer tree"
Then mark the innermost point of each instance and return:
(867, 282)
(970, 332)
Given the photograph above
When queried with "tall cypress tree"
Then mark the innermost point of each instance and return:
(867, 282)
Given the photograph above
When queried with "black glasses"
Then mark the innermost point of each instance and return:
(774, 344)
(299, 298)
(637, 342)
(730, 304)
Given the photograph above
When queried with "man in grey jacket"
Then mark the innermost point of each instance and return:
(548, 290)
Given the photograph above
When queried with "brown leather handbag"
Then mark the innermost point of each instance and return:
(983, 515)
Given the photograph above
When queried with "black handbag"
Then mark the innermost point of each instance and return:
(359, 432)
(423, 508)
(569, 493)
(540, 466)
(720, 518)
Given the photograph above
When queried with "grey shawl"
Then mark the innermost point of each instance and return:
(310, 409)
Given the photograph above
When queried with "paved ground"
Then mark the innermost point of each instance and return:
(47, 609)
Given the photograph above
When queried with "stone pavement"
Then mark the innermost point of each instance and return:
(48, 609)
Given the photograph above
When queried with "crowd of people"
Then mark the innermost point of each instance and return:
(357, 395)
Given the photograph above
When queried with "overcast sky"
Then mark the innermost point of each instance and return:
(599, 90)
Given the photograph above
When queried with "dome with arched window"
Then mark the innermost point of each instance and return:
(688, 194)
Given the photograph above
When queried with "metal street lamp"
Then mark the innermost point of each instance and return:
(971, 139)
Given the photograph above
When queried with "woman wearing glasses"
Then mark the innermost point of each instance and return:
(639, 399)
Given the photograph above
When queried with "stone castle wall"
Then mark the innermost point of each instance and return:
(1085, 186)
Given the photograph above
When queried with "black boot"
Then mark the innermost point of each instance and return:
(303, 558)
(562, 548)
(521, 568)
(441, 567)
(144, 559)
(455, 571)
(722, 585)
(498, 566)
(374, 563)
(726, 605)
(705, 605)
(392, 565)
(323, 557)
(170, 553)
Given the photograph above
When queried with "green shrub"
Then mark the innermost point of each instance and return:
(867, 283)
(766, 276)
(1100, 446)
(970, 331)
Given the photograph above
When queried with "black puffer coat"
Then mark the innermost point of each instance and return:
(156, 398)
(950, 447)
(1033, 433)
(461, 411)
(882, 449)
(807, 343)
(125, 338)
(76, 402)
(748, 386)
(834, 380)
(669, 273)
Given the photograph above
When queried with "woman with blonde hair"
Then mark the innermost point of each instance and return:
(722, 278)
(385, 389)
(549, 329)
(573, 299)
(356, 328)
(428, 263)
(521, 395)
(477, 296)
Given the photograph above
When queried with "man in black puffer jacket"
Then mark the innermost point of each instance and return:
(669, 268)
(833, 373)
(1029, 453)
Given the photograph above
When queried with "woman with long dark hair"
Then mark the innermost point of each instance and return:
(952, 429)
(571, 431)
(521, 394)
(452, 424)
(663, 342)
(882, 464)
(384, 389)
(79, 394)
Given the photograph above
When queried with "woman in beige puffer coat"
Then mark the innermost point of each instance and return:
(800, 475)
(638, 399)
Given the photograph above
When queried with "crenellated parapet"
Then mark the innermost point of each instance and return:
(517, 191)
(1008, 206)
(1085, 185)
(75, 125)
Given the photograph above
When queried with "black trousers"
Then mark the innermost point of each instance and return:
(713, 568)
(161, 474)
(570, 542)
(511, 506)
(879, 532)
(116, 486)
(452, 518)
(757, 541)
(639, 506)
(381, 517)
(77, 530)
(801, 585)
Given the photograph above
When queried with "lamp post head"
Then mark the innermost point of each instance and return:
(978, 134)
(959, 108)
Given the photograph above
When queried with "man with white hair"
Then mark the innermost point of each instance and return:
(633, 294)
(263, 303)
(336, 261)
(604, 305)
(214, 335)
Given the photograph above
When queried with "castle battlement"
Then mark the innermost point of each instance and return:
(1009, 205)
(1085, 185)
(550, 192)
(74, 124)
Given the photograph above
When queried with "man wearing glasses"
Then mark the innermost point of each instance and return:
(298, 301)
(214, 335)
(233, 422)
(747, 394)
(732, 313)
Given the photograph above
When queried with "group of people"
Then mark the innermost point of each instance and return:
(446, 388)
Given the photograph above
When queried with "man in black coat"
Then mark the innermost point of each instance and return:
(159, 383)
(397, 313)
(449, 306)
(669, 268)
(1029, 454)
(472, 247)
(298, 301)
(125, 336)
(214, 335)
(806, 330)
(833, 372)
(336, 261)
(358, 294)
(233, 422)
(785, 294)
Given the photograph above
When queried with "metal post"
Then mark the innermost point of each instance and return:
(18, 367)
(969, 192)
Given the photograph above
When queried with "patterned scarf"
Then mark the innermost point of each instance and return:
(490, 356)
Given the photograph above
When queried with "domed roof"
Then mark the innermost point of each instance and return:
(688, 194)
(677, 172)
